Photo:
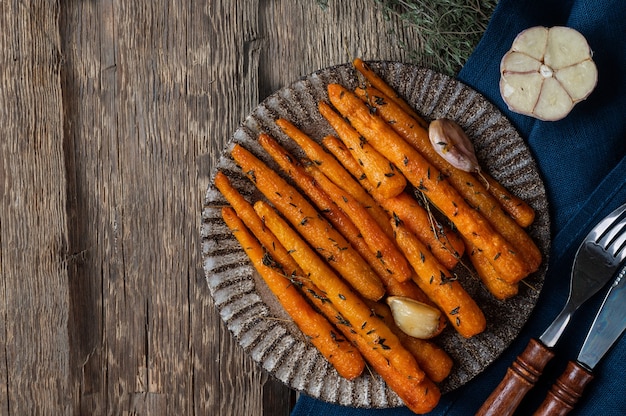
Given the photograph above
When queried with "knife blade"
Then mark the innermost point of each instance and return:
(607, 327)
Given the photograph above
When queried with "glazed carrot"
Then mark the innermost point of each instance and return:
(379, 83)
(277, 253)
(252, 221)
(518, 209)
(444, 243)
(338, 218)
(341, 354)
(357, 314)
(440, 285)
(435, 362)
(423, 225)
(515, 207)
(333, 169)
(419, 396)
(388, 180)
(426, 353)
(377, 240)
(468, 186)
(432, 183)
(490, 279)
(307, 184)
(310, 223)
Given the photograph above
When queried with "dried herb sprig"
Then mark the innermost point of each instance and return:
(449, 29)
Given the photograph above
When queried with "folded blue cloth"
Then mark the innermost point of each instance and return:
(582, 159)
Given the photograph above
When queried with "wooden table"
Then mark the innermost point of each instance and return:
(112, 114)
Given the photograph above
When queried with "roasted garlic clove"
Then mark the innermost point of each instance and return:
(546, 72)
(414, 318)
(451, 143)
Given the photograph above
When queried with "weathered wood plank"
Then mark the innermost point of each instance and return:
(34, 344)
(228, 69)
(112, 119)
(93, 173)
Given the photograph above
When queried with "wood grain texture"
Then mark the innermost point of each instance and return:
(112, 115)
(34, 346)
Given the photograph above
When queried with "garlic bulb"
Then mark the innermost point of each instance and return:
(414, 318)
(546, 72)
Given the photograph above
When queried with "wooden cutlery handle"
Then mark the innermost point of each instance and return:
(565, 392)
(520, 377)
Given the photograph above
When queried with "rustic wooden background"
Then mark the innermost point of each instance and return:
(112, 114)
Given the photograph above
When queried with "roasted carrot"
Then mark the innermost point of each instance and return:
(440, 285)
(488, 276)
(333, 169)
(377, 240)
(334, 347)
(311, 224)
(379, 83)
(517, 208)
(432, 183)
(307, 184)
(468, 186)
(252, 221)
(426, 353)
(277, 255)
(419, 396)
(357, 314)
(444, 243)
(338, 218)
(387, 179)
(435, 362)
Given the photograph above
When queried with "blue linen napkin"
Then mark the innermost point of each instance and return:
(582, 159)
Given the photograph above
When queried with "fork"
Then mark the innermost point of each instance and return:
(598, 257)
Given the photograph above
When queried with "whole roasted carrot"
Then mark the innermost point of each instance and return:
(358, 316)
(467, 185)
(514, 206)
(415, 394)
(419, 396)
(517, 208)
(333, 346)
(253, 222)
(432, 183)
(441, 286)
(444, 243)
(328, 242)
(489, 277)
(278, 256)
(387, 179)
(325, 204)
(333, 169)
(374, 79)
(384, 247)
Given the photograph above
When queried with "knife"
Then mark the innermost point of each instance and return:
(606, 329)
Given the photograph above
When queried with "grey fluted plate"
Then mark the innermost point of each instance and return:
(253, 315)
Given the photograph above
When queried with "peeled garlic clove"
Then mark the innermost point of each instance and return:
(451, 143)
(414, 318)
(546, 72)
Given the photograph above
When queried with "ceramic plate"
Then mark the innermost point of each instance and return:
(258, 322)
